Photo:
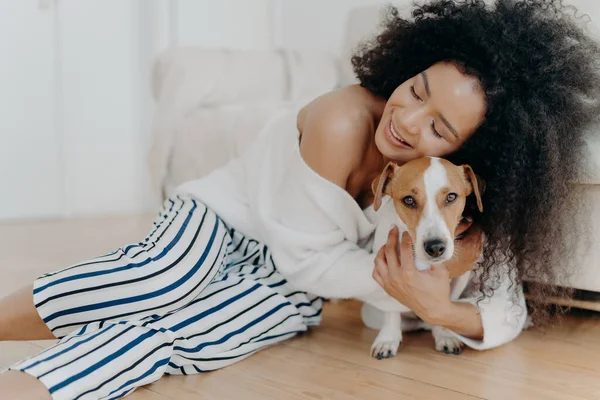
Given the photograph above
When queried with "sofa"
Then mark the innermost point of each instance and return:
(211, 103)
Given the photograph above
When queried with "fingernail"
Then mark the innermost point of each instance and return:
(392, 226)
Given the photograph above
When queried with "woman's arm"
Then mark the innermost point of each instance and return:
(462, 318)
(503, 314)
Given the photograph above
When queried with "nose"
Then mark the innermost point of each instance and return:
(411, 120)
(435, 248)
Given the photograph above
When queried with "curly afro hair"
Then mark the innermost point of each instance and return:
(540, 75)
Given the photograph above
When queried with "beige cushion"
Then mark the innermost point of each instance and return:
(590, 173)
(211, 136)
(210, 101)
(587, 275)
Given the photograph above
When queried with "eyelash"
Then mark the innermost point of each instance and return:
(416, 96)
(435, 133)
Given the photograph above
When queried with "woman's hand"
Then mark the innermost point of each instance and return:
(426, 293)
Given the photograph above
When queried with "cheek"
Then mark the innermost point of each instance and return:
(400, 99)
(452, 216)
(410, 218)
(431, 146)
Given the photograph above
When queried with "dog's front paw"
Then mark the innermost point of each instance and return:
(389, 338)
(446, 342)
(385, 349)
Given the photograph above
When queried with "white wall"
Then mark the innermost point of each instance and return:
(103, 145)
(314, 24)
(76, 101)
(30, 163)
(232, 24)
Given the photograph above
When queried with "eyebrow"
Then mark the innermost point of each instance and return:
(444, 120)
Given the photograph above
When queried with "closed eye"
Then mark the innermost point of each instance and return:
(435, 133)
(415, 95)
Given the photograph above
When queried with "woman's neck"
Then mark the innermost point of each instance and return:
(377, 107)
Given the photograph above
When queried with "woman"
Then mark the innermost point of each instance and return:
(237, 260)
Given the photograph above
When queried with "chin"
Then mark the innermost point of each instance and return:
(398, 156)
(390, 152)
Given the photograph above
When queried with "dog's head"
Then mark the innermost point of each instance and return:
(429, 195)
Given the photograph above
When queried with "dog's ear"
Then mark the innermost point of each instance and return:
(477, 185)
(380, 185)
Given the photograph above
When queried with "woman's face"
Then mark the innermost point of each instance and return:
(431, 114)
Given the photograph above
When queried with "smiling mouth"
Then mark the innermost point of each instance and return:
(397, 136)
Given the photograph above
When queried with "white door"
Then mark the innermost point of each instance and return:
(30, 174)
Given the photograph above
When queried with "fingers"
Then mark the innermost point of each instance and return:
(391, 247)
(380, 269)
(378, 278)
(407, 259)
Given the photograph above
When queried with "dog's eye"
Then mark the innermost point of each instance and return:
(451, 198)
(409, 201)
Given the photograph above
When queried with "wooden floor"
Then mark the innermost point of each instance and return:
(332, 361)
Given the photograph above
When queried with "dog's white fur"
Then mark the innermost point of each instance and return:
(431, 225)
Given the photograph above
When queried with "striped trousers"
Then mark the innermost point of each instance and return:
(194, 296)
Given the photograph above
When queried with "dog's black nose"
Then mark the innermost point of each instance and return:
(435, 248)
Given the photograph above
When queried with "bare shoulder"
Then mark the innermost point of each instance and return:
(336, 130)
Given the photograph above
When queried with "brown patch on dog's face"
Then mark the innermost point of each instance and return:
(452, 198)
(407, 189)
(406, 186)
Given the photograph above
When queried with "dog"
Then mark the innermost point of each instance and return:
(427, 197)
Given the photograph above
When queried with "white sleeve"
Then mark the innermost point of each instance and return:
(503, 314)
(315, 230)
(342, 271)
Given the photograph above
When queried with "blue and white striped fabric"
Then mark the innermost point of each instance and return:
(194, 296)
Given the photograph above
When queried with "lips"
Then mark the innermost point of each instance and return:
(395, 138)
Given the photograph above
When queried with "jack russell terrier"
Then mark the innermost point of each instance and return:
(427, 199)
